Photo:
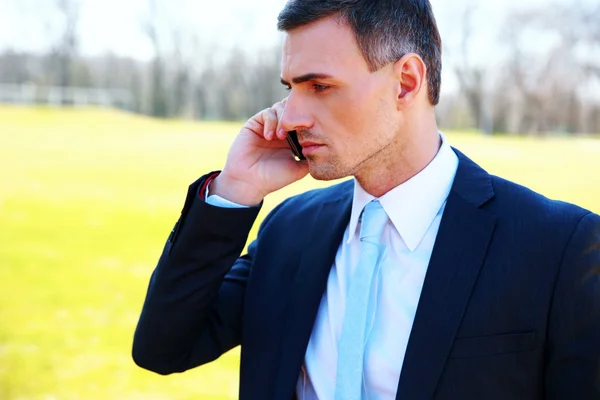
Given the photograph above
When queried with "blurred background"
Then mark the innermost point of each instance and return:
(515, 66)
(108, 110)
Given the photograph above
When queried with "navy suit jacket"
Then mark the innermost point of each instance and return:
(510, 307)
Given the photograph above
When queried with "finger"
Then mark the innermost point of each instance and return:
(270, 120)
(255, 126)
(257, 123)
(279, 109)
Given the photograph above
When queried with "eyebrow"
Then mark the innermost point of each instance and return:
(305, 78)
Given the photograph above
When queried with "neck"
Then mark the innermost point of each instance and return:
(407, 155)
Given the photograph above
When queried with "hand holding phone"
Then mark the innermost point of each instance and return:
(259, 160)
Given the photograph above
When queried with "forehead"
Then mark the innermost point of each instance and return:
(324, 46)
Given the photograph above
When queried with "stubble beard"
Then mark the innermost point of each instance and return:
(326, 170)
(323, 168)
(333, 167)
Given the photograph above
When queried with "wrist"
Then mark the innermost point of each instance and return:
(235, 191)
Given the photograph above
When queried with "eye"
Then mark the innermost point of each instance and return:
(320, 88)
(288, 88)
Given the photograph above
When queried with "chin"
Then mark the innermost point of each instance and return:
(324, 171)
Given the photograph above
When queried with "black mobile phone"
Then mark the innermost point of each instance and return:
(292, 139)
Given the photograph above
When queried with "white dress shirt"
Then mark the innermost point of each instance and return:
(415, 209)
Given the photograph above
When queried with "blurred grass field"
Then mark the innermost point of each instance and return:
(87, 198)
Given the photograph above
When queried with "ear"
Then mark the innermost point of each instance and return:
(411, 75)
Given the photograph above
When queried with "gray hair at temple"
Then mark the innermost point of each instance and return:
(385, 30)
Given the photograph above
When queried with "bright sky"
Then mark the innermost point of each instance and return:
(116, 25)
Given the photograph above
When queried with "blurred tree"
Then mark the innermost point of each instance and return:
(546, 85)
(157, 97)
(65, 51)
(14, 67)
(471, 78)
(546, 77)
(264, 83)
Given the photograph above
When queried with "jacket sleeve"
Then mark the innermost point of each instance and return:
(573, 361)
(193, 308)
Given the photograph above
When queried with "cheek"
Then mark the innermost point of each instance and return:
(352, 117)
(349, 119)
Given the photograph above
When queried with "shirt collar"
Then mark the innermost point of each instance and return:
(412, 205)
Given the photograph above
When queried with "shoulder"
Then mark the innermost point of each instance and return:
(514, 199)
(314, 197)
(521, 213)
(297, 207)
(530, 217)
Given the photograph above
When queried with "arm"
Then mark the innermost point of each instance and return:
(193, 308)
(194, 305)
(573, 362)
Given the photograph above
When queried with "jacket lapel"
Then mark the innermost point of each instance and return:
(459, 251)
(309, 285)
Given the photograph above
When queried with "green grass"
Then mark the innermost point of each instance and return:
(87, 198)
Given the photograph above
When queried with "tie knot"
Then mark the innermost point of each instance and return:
(373, 221)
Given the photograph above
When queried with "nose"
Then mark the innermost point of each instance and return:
(295, 115)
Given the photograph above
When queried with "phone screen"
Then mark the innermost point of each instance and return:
(292, 139)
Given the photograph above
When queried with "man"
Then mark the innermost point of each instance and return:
(451, 284)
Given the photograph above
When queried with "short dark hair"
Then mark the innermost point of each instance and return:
(385, 30)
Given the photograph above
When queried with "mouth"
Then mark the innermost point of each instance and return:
(309, 144)
(308, 147)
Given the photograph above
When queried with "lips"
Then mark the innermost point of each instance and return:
(309, 144)
(309, 148)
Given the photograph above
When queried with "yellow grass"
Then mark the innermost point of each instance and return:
(87, 198)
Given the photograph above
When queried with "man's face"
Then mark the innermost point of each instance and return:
(335, 102)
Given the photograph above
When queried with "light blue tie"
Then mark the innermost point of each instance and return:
(351, 348)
